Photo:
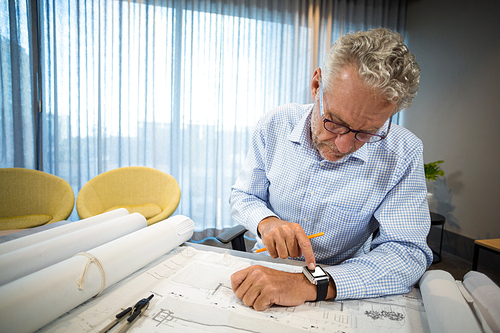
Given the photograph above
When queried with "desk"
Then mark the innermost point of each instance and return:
(192, 293)
(492, 245)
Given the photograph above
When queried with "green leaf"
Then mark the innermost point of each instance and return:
(433, 170)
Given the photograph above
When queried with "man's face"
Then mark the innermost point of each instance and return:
(351, 103)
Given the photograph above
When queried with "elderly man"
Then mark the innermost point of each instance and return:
(338, 166)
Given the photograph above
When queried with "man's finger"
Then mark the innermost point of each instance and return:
(270, 244)
(262, 302)
(289, 241)
(282, 249)
(306, 247)
(250, 296)
(238, 278)
(293, 247)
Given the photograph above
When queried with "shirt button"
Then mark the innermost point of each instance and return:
(305, 219)
(312, 192)
(322, 164)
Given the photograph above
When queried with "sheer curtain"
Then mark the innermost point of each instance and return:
(175, 85)
(17, 113)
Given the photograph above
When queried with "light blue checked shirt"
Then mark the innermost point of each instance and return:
(380, 185)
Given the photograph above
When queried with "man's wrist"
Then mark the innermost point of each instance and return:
(310, 291)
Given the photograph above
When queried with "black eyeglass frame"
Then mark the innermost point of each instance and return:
(372, 137)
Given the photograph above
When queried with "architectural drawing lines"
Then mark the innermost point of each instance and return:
(164, 316)
(193, 294)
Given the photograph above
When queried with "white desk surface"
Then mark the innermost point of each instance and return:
(403, 313)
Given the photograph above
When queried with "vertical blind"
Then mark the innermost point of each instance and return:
(173, 85)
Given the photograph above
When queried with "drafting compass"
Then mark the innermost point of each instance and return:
(133, 313)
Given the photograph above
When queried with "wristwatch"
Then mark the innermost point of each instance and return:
(320, 278)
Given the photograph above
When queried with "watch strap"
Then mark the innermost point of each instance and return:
(322, 289)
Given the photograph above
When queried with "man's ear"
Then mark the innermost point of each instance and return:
(315, 82)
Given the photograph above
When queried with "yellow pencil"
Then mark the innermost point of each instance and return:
(310, 236)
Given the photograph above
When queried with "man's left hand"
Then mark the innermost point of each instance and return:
(262, 287)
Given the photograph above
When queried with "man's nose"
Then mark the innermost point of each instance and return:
(345, 142)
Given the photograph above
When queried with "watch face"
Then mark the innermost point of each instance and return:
(316, 273)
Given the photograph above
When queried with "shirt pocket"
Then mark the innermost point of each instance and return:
(347, 231)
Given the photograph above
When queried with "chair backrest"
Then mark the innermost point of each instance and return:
(151, 192)
(29, 198)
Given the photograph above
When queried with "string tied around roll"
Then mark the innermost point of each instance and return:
(81, 280)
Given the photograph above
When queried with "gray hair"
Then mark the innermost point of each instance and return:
(383, 61)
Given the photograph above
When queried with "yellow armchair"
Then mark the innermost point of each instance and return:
(147, 191)
(30, 198)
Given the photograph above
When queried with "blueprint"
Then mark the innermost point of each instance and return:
(192, 293)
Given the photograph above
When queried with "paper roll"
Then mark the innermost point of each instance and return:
(41, 236)
(486, 295)
(33, 301)
(27, 260)
(446, 309)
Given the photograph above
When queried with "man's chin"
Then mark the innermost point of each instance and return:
(331, 155)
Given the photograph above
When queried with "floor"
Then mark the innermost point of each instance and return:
(455, 265)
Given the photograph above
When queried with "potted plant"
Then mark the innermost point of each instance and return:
(433, 172)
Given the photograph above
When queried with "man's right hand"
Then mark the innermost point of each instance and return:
(286, 239)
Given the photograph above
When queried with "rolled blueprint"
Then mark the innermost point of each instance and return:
(41, 236)
(446, 309)
(486, 295)
(27, 260)
(33, 301)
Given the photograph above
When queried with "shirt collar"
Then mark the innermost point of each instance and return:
(301, 134)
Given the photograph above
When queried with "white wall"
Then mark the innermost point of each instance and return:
(457, 110)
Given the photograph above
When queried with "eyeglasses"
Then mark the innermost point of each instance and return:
(336, 128)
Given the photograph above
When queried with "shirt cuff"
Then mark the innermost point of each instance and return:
(348, 285)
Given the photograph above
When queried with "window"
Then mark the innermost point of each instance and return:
(174, 85)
